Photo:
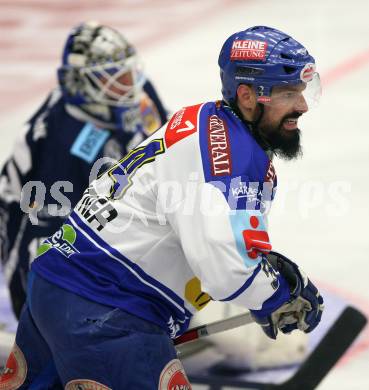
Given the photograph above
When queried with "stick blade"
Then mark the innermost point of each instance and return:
(330, 349)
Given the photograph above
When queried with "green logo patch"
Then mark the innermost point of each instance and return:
(62, 241)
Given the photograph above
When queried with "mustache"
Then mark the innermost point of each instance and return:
(293, 115)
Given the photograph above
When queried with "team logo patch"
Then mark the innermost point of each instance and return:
(173, 377)
(307, 72)
(122, 172)
(219, 149)
(248, 50)
(15, 371)
(85, 384)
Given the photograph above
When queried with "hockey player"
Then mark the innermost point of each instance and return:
(102, 107)
(177, 222)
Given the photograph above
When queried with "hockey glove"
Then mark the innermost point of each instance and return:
(304, 309)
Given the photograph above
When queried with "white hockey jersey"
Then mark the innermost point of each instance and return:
(175, 223)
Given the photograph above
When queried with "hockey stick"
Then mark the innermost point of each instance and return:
(330, 349)
(214, 327)
(317, 365)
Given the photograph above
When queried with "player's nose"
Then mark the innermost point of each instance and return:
(301, 105)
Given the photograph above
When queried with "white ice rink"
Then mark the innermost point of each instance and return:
(320, 212)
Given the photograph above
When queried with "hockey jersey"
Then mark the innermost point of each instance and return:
(53, 159)
(175, 223)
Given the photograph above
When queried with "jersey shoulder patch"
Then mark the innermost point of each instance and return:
(182, 124)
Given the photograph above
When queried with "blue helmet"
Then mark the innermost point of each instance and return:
(263, 57)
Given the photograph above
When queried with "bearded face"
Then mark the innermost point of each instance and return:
(278, 127)
(282, 135)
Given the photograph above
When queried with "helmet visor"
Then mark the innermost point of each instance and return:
(293, 94)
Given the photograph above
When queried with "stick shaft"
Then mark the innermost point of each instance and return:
(214, 327)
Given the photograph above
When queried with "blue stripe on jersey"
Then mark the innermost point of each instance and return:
(132, 297)
(245, 285)
(98, 272)
(281, 295)
(97, 241)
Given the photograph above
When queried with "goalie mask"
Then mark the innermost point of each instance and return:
(265, 57)
(101, 74)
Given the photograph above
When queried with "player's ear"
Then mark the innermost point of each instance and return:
(247, 102)
(246, 97)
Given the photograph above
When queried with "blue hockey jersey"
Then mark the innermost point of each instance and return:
(53, 158)
(175, 223)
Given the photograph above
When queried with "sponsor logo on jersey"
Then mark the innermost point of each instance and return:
(62, 241)
(307, 72)
(89, 142)
(218, 145)
(248, 50)
(250, 195)
(173, 377)
(257, 238)
(194, 295)
(250, 235)
(15, 371)
(244, 190)
(182, 124)
(85, 384)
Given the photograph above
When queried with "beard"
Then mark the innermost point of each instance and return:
(286, 144)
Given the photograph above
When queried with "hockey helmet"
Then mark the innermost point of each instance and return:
(265, 57)
(100, 67)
